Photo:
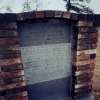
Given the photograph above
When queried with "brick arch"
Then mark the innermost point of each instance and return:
(84, 54)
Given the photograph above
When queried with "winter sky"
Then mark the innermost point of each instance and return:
(17, 7)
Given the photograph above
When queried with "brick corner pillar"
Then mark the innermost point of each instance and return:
(84, 49)
(12, 80)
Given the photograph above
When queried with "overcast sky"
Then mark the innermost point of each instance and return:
(17, 7)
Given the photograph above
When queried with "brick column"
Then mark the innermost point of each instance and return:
(12, 80)
(85, 39)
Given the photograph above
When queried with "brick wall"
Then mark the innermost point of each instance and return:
(83, 62)
(84, 58)
(12, 80)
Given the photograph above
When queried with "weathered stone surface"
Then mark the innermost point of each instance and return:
(44, 51)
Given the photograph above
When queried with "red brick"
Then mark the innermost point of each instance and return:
(82, 57)
(67, 15)
(8, 62)
(39, 14)
(49, 14)
(11, 74)
(11, 86)
(8, 26)
(83, 23)
(8, 41)
(58, 14)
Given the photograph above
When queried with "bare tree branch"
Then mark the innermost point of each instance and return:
(79, 8)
